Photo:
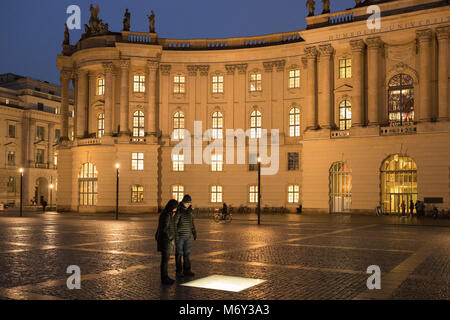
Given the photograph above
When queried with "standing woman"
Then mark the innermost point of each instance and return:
(165, 236)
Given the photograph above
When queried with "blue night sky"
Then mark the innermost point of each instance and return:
(31, 32)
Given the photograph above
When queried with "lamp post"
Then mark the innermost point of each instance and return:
(21, 190)
(259, 190)
(51, 186)
(117, 190)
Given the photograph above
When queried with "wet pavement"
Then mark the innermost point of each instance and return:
(299, 256)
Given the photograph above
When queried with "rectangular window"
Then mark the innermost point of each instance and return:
(40, 133)
(57, 135)
(294, 79)
(217, 84)
(137, 161)
(139, 83)
(11, 131)
(11, 158)
(217, 162)
(253, 194)
(216, 194)
(178, 193)
(40, 106)
(11, 185)
(345, 68)
(7, 101)
(55, 160)
(178, 84)
(178, 162)
(293, 194)
(100, 86)
(255, 82)
(40, 156)
(137, 193)
(293, 161)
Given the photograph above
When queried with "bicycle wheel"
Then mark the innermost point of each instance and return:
(228, 218)
(217, 218)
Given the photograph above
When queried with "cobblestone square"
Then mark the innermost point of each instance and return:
(301, 257)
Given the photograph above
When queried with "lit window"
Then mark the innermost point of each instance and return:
(178, 84)
(253, 194)
(217, 125)
(7, 101)
(57, 135)
(178, 192)
(55, 160)
(137, 193)
(216, 194)
(178, 162)
(401, 99)
(100, 125)
(293, 161)
(294, 122)
(11, 185)
(217, 84)
(100, 86)
(345, 115)
(294, 79)
(345, 68)
(40, 133)
(139, 83)
(87, 183)
(255, 82)
(255, 125)
(11, 158)
(217, 162)
(293, 194)
(137, 161)
(178, 125)
(40, 156)
(138, 124)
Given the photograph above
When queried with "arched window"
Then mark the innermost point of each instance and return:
(178, 125)
(87, 185)
(401, 99)
(100, 125)
(255, 124)
(217, 125)
(345, 115)
(294, 122)
(138, 124)
(398, 183)
(340, 187)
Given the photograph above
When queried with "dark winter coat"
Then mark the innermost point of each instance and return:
(165, 235)
(184, 222)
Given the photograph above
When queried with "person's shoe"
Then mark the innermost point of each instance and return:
(189, 273)
(180, 274)
(168, 281)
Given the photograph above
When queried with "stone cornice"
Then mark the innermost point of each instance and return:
(374, 43)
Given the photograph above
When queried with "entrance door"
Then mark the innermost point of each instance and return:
(340, 188)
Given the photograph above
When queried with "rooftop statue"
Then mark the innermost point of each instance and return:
(96, 25)
(151, 19)
(66, 35)
(311, 5)
(126, 21)
(326, 6)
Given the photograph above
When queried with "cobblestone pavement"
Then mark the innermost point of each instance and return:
(299, 256)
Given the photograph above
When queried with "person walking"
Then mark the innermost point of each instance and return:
(184, 227)
(411, 207)
(44, 205)
(224, 211)
(165, 237)
(403, 206)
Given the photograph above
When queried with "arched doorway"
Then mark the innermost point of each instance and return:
(398, 182)
(340, 188)
(41, 190)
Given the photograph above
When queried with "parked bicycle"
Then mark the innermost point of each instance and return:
(220, 216)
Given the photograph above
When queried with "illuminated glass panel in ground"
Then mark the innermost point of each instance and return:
(224, 283)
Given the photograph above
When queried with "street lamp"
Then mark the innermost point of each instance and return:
(21, 190)
(259, 190)
(51, 186)
(117, 190)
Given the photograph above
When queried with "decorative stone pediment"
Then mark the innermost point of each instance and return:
(343, 88)
(402, 68)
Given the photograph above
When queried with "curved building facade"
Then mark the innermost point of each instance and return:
(362, 114)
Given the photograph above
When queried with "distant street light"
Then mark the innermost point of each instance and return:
(259, 190)
(117, 190)
(21, 190)
(51, 186)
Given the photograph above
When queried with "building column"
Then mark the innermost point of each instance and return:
(311, 98)
(373, 57)
(108, 66)
(31, 139)
(124, 97)
(425, 107)
(65, 77)
(152, 66)
(358, 48)
(324, 107)
(204, 91)
(51, 141)
(82, 96)
(442, 36)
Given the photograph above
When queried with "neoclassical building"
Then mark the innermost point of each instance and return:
(362, 113)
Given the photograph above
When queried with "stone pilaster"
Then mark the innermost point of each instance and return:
(82, 103)
(358, 50)
(326, 70)
(65, 77)
(424, 42)
(373, 56)
(108, 67)
(152, 66)
(124, 97)
(442, 36)
(51, 142)
(311, 90)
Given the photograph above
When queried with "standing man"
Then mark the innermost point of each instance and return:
(165, 236)
(184, 226)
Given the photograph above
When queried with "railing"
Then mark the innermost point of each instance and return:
(137, 140)
(340, 134)
(41, 165)
(341, 18)
(395, 130)
(138, 37)
(89, 141)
